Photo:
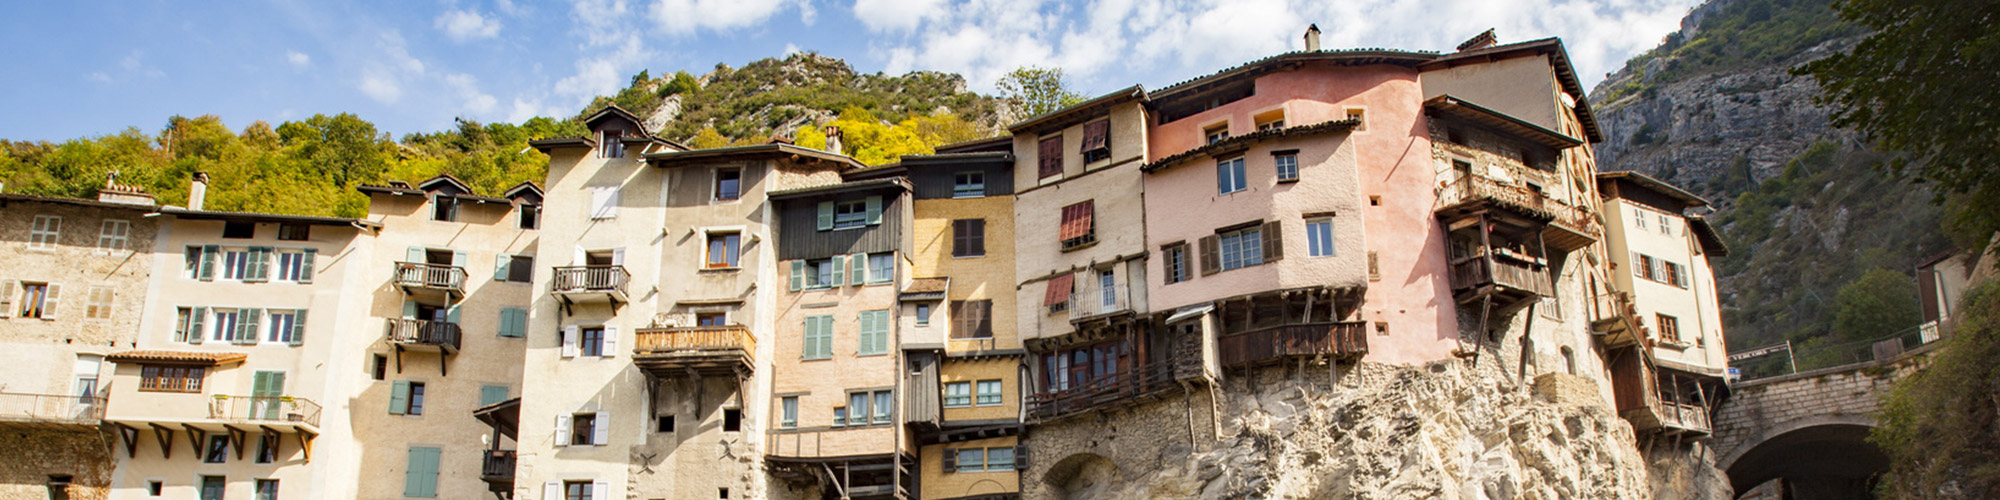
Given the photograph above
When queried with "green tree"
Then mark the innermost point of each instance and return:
(1879, 303)
(708, 138)
(343, 147)
(1037, 90)
(1922, 84)
(1936, 424)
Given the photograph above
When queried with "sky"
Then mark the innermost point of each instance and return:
(88, 68)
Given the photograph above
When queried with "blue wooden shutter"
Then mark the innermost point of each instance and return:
(422, 474)
(798, 274)
(874, 205)
(208, 261)
(825, 215)
(306, 267)
(490, 394)
(399, 397)
(299, 327)
(500, 263)
(839, 271)
(195, 331)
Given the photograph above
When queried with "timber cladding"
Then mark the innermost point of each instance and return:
(804, 232)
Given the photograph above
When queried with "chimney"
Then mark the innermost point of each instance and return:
(833, 140)
(197, 190)
(1312, 38)
(1483, 40)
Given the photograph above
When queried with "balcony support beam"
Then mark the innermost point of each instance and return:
(306, 443)
(197, 436)
(236, 438)
(166, 438)
(130, 436)
(272, 436)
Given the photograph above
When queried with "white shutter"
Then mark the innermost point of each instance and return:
(7, 289)
(600, 490)
(569, 336)
(604, 203)
(600, 430)
(610, 342)
(562, 430)
(577, 259)
(552, 490)
(618, 256)
(51, 300)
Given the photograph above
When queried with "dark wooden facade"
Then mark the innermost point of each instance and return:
(694, 185)
(935, 176)
(799, 235)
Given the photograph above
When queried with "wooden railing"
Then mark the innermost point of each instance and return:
(51, 407)
(1109, 391)
(497, 466)
(1683, 416)
(1472, 273)
(430, 275)
(1476, 187)
(1345, 340)
(424, 332)
(696, 338)
(264, 408)
(576, 279)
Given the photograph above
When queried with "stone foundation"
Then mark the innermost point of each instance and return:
(33, 456)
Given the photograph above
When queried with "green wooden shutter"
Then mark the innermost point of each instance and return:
(208, 261)
(409, 309)
(246, 325)
(451, 314)
(458, 259)
(825, 215)
(489, 394)
(513, 322)
(874, 204)
(259, 265)
(798, 274)
(415, 255)
(839, 271)
(857, 269)
(299, 327)
(306, 267)
(422, 474)
(195, 331)
(500, 263)
(399, 397)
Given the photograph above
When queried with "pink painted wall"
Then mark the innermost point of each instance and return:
(1392, 159)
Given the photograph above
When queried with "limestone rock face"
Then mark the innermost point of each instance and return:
(1446, 430)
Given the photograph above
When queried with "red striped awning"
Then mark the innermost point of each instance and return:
(1076, 221)
(1059, 289)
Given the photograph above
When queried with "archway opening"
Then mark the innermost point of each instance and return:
(1083, 475)
(1832, 461)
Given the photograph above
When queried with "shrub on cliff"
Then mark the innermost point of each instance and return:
(1938, 424)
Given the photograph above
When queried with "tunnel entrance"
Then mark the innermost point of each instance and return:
(1832, 461)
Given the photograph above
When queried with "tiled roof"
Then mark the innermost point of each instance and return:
(1344, 55)
(925, 285)
(1243, 141)
(178, 357)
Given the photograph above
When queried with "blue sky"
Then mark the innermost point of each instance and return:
(88, 68)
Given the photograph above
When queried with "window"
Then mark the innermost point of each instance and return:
(1216, 133)
(604, 202)
(1638, 218)
(406, 398)
(968, 185)
(723, 250)
(380, 368)
(1242, 248)
(820, 273)
(1287, 165)
(1675, 274)
(732, 420)
(113, 235)
(881, 268)
(421, 475)
(236, 264)
(576, 490)
(239, 230)
(489, 394)
(728, 184)
(444, 207)
(957, 394)
(874, 338)
(192, 260)
(1097, 141)
(218, 449)
(1358, 115)
(285, 326)
(1229, 176)
(819, 337)
(185, 322)
(294, 232)
(583, 428)
(923, 315)
(1108, 282)
(267, 489)
(1271, 125)
(788, 412)
(226, 322)
(1078, 226)
(591, 343)
(971, 319)
(857, 408)
(1319, 237)
(1670, 329)
(44, 232)
(39, 300)
(840, 416)
(531, 216)
(520, 268)
(884, 406)
(155, 488)
(100, 303)
(160, 378)
(1666, 225)
(999, 459)
(989, 393)
(972, 460)
(611, 144)
(850, 214)
(1049, 161)
(968, 238)
(1175, 262)
(665, 423)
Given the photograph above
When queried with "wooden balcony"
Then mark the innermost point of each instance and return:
(1510, 278)
(497, 469)
(1615, 321)
(1573, 228)
(1343, 341)
(583, 284)
(1472, 194)
(420, 279)
(1670, 418)
(701, 350)
(50, 411)
(424, 334)
(1118, 391)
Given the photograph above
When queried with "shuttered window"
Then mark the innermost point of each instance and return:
(420, 477)
(1175, 263)
(971, 319)
(1078, 228)
(874, 338)
(818, 337)
(1049, 157)
(1059, 289)
(968, 238)
(513, 322)
(489, 394)
(1096, 141)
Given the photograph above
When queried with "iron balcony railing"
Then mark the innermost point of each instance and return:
(415, 274)
(1343, 340)
(1095, 301)
(424, 332)
(50, 407)
(264, 408)
(586, 279)
(1107, 391)
(498, 466)
(696, 338)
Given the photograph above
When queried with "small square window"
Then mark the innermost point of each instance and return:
(582, 427)
(732, 420)
(218, 450)
(380, 369)
(531, 216)
(1229, 176)
(1287, 165)
(1358, 115)
(666, 424)
(968, 238)
(155, 488)
(724, 250)
(113, 235)
(444, 208)
(968, 185)
(711, 318)
(957, 394)
(1216, 133)
(294, 232)
(45, 231)
(923, 315)
(728, 184)
(989, 392)
(850, 214)
(239, 230)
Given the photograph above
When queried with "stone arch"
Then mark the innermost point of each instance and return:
(1826, 456)
(1083, 475)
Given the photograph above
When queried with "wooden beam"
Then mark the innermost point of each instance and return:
(166, 438)
(131, 436)
(277, 442)
(399, 358)
(306, 443)
(198, 436)
(236, 437)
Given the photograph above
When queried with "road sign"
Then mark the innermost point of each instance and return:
(1761, 351)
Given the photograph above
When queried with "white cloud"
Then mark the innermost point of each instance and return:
(467, 87)
(605, 73)
(896, 15)
(298, 60)
(685, 17)
(791, 48)
(467, 25)
(381, 87)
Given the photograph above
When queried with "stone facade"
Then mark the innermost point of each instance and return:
(36, 457)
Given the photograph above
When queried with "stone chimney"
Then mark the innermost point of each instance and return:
(197, 190)
(1312, 38)
(129, 195)
(833, 140)
(1483, 40)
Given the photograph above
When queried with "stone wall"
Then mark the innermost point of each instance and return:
(34, 455)
(1759, 409)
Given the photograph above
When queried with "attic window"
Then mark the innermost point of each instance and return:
(531, 216)
(444, 207)
(1270, 120)
(1097, 141)
(611, 144)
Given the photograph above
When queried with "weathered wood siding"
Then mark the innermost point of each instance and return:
(799, 236)
(935, 180)
(694, 185)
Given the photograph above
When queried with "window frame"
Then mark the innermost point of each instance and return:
(216, 451)
(998, 394)
(717, 191)
(172, 378)
(1320, 228)
(444, 208)
(881, 269)
(968, 184)
(45, 232)
(583, 429)
(610, 144)
(732, 250)
(964, 400)
(292, 271)
(109, 240)
(1670, 328)
(285, 334)
(844, 219)
(1286, 165)
(788, 412)
(1243, 243)
(530, 216)
(923, 314)
(294, 232)
(1230, 172)
(99, 309)
(1215, 133)
(1174, 263)
(586, 345)
(968, 238)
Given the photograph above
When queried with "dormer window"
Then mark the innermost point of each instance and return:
(611, 144)
(444, 207)
(1216, 133)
